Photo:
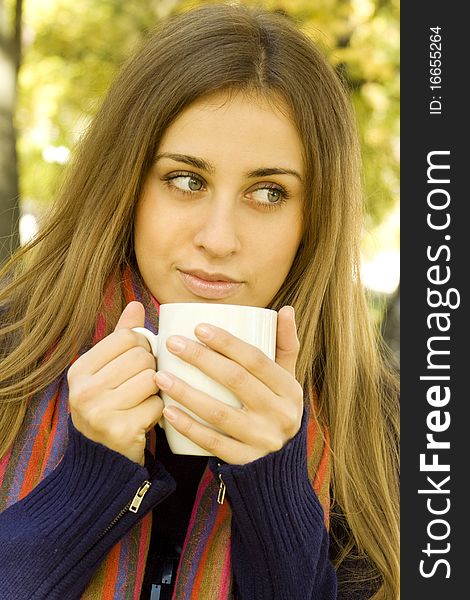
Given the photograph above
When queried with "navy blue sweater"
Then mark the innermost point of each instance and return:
(52, 541)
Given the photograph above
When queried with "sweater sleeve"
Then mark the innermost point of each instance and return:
(279, 542)
(52, 541)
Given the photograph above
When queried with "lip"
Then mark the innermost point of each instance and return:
(209, 285)
(200, 274)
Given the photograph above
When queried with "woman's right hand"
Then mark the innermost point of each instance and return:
(112, 388)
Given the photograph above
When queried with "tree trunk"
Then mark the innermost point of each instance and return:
(10, 56)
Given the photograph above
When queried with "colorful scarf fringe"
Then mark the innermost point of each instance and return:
(205, 567)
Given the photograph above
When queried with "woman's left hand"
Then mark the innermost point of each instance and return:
(271, 397)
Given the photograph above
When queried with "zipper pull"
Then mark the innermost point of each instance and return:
(221, 494)
(137, 501)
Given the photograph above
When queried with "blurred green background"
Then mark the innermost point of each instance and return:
(58, 57)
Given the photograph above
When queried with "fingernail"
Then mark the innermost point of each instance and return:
(176, 343)
(205, 332)
(170, 414)
(164, 380)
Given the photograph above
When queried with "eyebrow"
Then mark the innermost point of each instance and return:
(203, 165)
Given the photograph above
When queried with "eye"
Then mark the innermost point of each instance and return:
(269, 195)
(185, 182)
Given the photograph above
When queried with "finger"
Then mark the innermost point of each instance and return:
(107, 350)
(124, 367)
(132, 316)
(227, 419)
(146, 414)
(229, 450)
(251, 358)
(247, 387)
(134, 391)
(287, 342)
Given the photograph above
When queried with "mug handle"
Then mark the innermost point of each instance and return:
(151, 337)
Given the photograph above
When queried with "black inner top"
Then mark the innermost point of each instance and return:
(170, 520)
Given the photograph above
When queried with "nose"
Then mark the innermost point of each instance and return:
(217, 230)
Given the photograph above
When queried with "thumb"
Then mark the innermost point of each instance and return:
(132, 316)
(287, 342)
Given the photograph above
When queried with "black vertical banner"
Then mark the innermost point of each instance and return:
(435, 251)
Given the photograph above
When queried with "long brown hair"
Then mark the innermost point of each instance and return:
(53, 287)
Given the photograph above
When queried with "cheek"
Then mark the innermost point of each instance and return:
(143, 220)
(282, 243)
(275, 254)
(154, 228)
(155, 240)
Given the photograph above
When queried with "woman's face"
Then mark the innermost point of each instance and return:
(220, 215)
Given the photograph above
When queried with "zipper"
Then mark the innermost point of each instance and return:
(137, 500)
(132, 506)
(222, 488)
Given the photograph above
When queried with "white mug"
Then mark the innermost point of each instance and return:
(254, 325)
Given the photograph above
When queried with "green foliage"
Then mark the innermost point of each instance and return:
(72, 51)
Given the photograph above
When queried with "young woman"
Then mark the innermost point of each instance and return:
(223, 167)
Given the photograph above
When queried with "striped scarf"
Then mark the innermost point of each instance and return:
(204, 570)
